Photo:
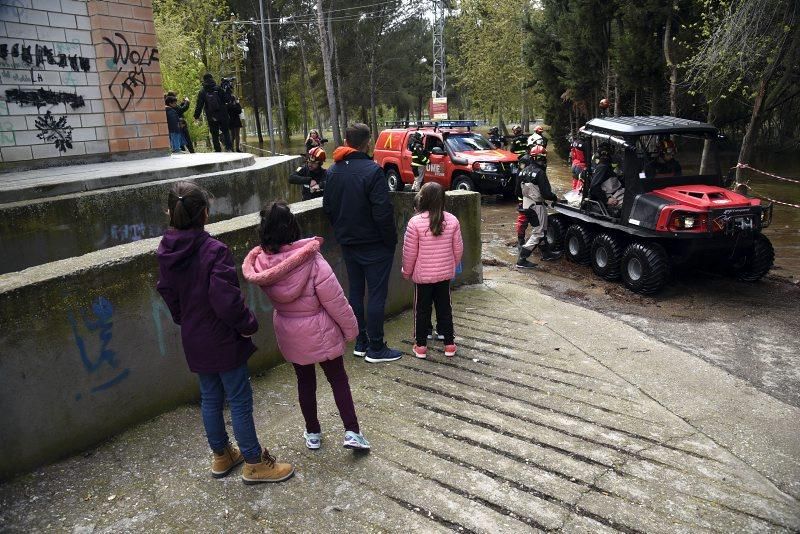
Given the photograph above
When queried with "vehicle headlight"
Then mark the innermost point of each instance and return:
(485, 167)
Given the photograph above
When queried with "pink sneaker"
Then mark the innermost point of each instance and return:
(449, 350)
(420, 352)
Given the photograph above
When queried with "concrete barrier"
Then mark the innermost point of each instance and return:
(34, 232)
(88, 348)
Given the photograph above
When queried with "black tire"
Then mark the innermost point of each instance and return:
(556, 226)
(606, 256)
(758, 263)
(644, 267)
(463, 183)
(578, 243)
(393, 180)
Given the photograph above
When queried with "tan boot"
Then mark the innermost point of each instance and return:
(267, 470)
(225, 462)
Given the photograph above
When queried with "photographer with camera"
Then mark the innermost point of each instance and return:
(214, 100)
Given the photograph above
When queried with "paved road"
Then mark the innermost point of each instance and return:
(551, 418)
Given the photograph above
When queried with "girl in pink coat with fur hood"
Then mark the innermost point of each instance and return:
(432, 248)
(312, 319)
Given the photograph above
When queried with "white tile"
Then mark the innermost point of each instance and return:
(50, 34)
(61, 20)
(12, 124)
(79, 36)
(21, 31)
(9, 13)
(73, 78)
(101, 133)
(92, 78)
(63, 47)
(88, 50)
(19, 153)
(7, 137)
(73, 7)
(88, 120)
(96, 105)
(78, 148)
(30, 16)
(96, 147)
(83, 134)
(45, 151)
(28, 137)
(83, 23)
(3, 29)
(16, 109)
(47, 5)
(90, 92)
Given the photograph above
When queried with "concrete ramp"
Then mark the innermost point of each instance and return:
(50, 182)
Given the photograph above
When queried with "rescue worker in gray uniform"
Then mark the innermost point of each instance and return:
(534, 188)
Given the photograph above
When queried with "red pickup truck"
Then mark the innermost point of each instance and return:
(459, 158)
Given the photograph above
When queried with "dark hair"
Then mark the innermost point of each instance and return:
(208, 76)
(278, 226)
(356, 135)
(187, 203)
(170, 100)
(431, 199)
(172, 93)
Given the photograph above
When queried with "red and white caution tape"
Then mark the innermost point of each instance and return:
(746, 166)
(762, 197)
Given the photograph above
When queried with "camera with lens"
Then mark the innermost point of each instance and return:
(226, 84)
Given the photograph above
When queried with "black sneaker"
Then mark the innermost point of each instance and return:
(525, 264)
(384, 354)
(361, 348)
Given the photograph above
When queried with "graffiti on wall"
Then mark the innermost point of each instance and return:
(134, 232)
(97, 363)
(40, 55)
(133, 81)
(44, 97)
(56, 131)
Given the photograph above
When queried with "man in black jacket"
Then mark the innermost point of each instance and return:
(356, 201)
(311, 175)
(213, 100)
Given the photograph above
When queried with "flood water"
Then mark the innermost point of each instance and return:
(784, 232)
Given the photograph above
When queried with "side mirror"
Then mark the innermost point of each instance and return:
(439, 151)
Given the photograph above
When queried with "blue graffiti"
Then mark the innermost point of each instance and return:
(102, 324)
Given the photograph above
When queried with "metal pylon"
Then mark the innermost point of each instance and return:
(439, 79)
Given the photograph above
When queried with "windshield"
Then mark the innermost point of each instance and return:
(468, 142)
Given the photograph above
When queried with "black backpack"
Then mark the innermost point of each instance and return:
(213, 102)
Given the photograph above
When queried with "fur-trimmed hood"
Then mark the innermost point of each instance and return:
(293, 261)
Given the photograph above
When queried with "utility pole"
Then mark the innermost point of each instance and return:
(266, 78)
(439, 79)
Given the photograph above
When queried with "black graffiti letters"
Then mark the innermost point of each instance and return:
(125, 86)
(54, 131)
(43, 97)
(44, 55)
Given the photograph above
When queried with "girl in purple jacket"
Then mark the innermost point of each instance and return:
(432, 248)
(197, 279)
(313, 320)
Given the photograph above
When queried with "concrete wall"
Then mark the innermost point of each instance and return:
(44, 230)
(78, 80)
(87, 347)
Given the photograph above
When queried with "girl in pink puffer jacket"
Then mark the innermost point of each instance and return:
(312, 319)
(432, 249)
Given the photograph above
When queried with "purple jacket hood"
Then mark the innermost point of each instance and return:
(177, 247)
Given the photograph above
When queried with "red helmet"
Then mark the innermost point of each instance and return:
(604, 103)
(316, 154)
(538, 129)
(538, 152)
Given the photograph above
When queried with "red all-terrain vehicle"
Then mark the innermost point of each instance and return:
(459, 158)
(663, 219)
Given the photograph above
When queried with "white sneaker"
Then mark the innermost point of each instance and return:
(313, 440)
(355, 441)
(439, 336)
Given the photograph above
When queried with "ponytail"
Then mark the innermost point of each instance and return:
(187, 203)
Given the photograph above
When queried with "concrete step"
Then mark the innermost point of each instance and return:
(44, 183)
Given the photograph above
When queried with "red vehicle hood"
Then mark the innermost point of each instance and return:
(705, 197)
(499, 156)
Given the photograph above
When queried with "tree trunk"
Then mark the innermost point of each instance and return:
(654, 100)
(616, 95)
(304, 102)
(325, 46)
(278, 91)
(307, 75)
(337, 75)
(673, 68)
(501, 124)
(255, 98)
(708, 159)
(373, 115)
(749, 140)
(635, 98)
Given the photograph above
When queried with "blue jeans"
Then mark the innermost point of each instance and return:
(368, 269)
(235, 385)
(175, 141)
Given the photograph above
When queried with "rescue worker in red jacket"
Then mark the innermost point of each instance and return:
(311, 175)
(578, 162)
(534, 187)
